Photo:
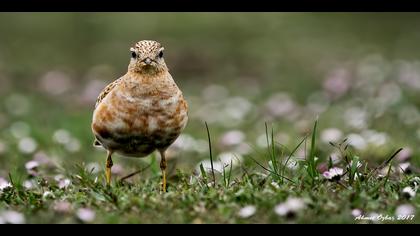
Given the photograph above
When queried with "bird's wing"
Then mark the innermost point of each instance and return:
(101, 96)
(106, 90)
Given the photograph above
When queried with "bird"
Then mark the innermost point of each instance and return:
(141, 112)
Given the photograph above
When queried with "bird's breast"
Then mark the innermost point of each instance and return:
(151, 118)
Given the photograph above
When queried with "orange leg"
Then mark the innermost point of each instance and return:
(109, 165)
(163, 169)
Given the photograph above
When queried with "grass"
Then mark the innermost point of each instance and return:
(194, 198)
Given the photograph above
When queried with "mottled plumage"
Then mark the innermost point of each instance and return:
(142, 111)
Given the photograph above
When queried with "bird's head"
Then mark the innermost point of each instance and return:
(147, 57)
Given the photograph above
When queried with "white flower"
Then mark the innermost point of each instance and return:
(404, 166)
(61, 136)
(247, 211)
(12, 217)
(42, 158)
(405, 210)
(64, 137)
(217, 166)
(356, 118)
(58, 177)
(333, 173)
(62, 207)
(389, 93)
(409, 114)
(94, 167)
(416, 182)
(292, 163)
(30, 165)
(357, 141)
(408, 192)
(290, 207)
(385, 171)
(375, 138)
(356, 212)
(232, 138)
(29, 184)
(55, 82)
(275, 185)
(4, 184)
(281, 209)
(280, 104)
(295, 204)
(17, 104)
(86, 215)
(337, 83)
(408, 74)
(374, 216)
(73, 146)
(27, 145)
(358, 165)
(64, 183)
(19, 129)
(242, 149)
(232, 111)
(48, 194)
(331, 135)
(184, 142)
(261, 141)
(227, 157)
(404, 155)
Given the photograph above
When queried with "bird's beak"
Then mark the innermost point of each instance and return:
(148, 61)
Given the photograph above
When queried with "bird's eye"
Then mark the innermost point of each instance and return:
(160, 54)
(133, 54)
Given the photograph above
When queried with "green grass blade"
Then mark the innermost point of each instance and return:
(311, 159)
(203, 172)
(211, 155)
(292, 153)
(353, 169)
(230, 173)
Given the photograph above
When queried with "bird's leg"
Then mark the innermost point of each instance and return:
(109, 165)
(163, 169)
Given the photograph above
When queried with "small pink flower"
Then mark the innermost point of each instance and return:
(233, 137)
(405, 210)
(62, 207)
(408, 192)
(4, 183)
(404, 155)
(356, 212)
(12, 217)
(32, 167)
(290, 207)
(334, 173)
(86, 214)
(247, 211)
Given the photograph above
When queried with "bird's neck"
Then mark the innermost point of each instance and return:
(141, 84)
(147, 70)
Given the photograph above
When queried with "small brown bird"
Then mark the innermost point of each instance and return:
(142, 111)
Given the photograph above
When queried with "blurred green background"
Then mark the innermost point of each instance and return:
(359, 72)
